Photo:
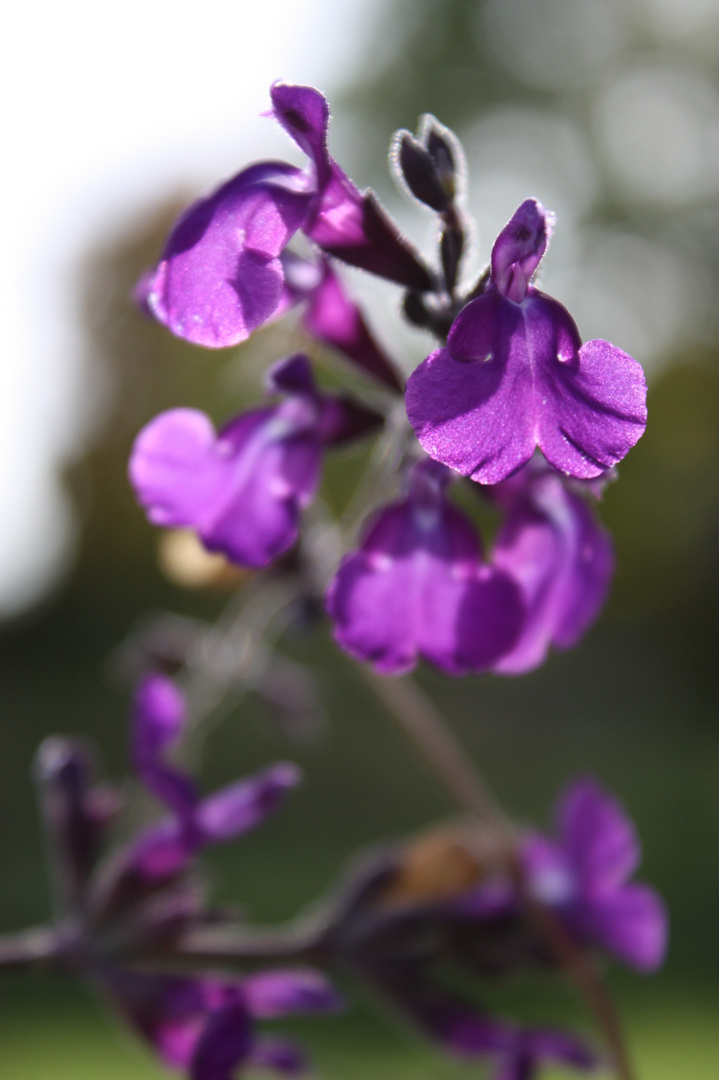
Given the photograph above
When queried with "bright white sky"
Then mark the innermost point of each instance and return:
(107, 106)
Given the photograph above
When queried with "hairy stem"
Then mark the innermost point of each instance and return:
(28, 948)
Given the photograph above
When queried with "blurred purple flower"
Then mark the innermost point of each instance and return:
(206, 1025)
(584, 876)
(243, 489)
(417, 587)
(563, 560)
(165, 849)
(515, 375)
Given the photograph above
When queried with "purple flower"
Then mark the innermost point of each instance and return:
(243, 489)
(220, 275)
(528, 1050)
(333, 319)
(553, 546)
(342, 220)
(584, 875)
(165, 849)
(417, 587)
(207, 1025)
(515, 375)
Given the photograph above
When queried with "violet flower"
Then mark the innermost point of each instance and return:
(243, 489)
(584, 875)
(117, 920)
(206, 1026)
(220, 275)
(417, 588)
(563, 560)
(165, 849)
(343, 221)
(515, 375)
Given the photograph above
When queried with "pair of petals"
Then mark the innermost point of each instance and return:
(514, 376)
(417, 588)
(243, 490)
(555, 549)
(585, 875)
(165, 850)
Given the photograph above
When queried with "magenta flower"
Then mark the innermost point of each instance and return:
(515, 376)
(584, 875)
(555, 549)
(207, 1025)
(244, 488)
(220, 275)
(417, 587)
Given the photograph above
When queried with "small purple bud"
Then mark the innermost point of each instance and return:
(75, 813)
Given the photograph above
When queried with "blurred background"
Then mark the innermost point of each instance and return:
(116, 116)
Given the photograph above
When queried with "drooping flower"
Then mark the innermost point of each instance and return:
(417, 588)
(220, 275)
(515, 376)
(584, 875)
(332, 318)
(555, 549)
(243, 489)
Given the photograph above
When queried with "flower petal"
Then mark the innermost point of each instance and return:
(598, 837)
(280, 1055)
(159, 717)
(416, 588)
(519, 248)
(476, 414)
(597, 409)
(630, 922)
(243, 806)
(553, 546)
(270, 994)
(219, 276)
(224, 1043)
(242, 490)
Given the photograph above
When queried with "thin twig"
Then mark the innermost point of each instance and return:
(38, 945)
(425, 725)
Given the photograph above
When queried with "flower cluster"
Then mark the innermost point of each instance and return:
(451, 900)
(513, 400)
(511, 416)
(119, 916)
